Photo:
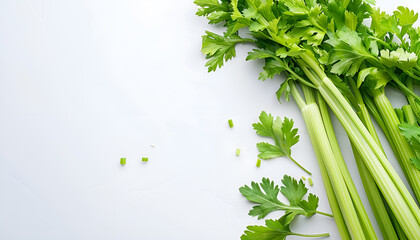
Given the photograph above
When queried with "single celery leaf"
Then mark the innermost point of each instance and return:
(287, 136)
(364, 73)
(272, 67)
(312, 35)
(405, 16)
(219, 49)
(398, 58)
(412, 134)
(273, 64)
(207, 7)
(415, 162)
(264, 127)
(414, 34)
(284, 90)
(378, 19)
(293, 190)
(361, 8)
(260, 54)
(268, 151)
(274, 230)
(281, 131)
(265, 194)
(410, 131)
(218, 17)
(376, 79)
(311, 204)
(350, 20)
(348, 52)
(297, 7)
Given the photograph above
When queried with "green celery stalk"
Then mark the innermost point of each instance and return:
(403, 148)
(414, 105)
(383, 217)
(392, 187)
(348, 222)
(409, 114)
(361, 211)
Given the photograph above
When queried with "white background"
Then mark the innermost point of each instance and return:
(84, 83)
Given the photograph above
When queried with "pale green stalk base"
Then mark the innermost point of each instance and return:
(379, 208)
(335, 209)
(361, 211)
(318, 134)
(392, 187)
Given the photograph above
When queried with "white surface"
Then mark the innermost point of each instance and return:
(84, 83)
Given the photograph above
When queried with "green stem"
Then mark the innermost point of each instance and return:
(335, 209)
(409, 114)
(304, 169)
(375, 198)
(414, 105)
(392, 187)
(311, 235)
(317, 130)
(390, 184)
(403, 88)
(403, 148)
(361, 211)
(325, 214)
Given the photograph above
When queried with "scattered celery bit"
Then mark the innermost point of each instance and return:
(303, 178)
(258, 162)
(310, 181)
(230, 123)
(144, 159)
(123, 161)
(238, 151)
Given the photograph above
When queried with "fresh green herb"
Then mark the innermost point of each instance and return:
(283, 134)
(274, 230)
(230, 123)
(238, 151)
(123, 161)
(258, 162)
(303, 178)
(412, 134)
(265, 194)
(144, 159)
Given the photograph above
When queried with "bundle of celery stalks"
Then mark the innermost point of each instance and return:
(339, 55)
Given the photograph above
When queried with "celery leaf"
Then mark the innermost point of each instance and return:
(265, 195)
(412, 134)
(283, 133)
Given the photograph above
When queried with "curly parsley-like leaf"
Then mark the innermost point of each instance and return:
(207, 7)
(293, 190)
(268, 151)
(219, 49)
(412, 134)
(274, 230)
(405, 16)
(284, 90)
(265, 195)
(348, 52)
(283, 134)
